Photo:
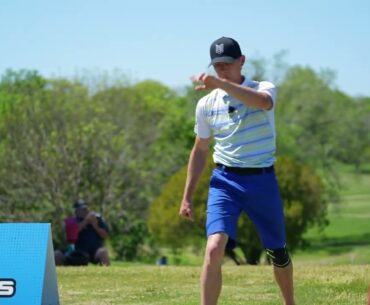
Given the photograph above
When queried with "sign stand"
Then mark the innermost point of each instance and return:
(27, 266)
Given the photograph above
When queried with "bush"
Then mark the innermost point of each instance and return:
(129, 234)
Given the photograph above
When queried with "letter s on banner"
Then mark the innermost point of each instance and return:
(7, 288)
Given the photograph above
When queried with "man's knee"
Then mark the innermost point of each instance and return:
(102, 256)
(279, 257)
(216, 248)
(101, 252)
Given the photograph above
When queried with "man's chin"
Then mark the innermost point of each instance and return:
(224, 77)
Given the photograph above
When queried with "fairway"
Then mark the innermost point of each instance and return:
(334, 271)
(149, 285)
(346, 239)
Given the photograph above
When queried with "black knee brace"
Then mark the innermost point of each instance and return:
(280, 257)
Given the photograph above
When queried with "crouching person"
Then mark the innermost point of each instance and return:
(86, 232)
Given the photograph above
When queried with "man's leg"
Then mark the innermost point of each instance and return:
(211, 278)
(284, 278)
(267, 213)
(102, 256)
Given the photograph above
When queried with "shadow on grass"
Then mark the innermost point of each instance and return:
(341, 245)
(365, 171)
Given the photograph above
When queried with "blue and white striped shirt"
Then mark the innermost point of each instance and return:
(244, 136)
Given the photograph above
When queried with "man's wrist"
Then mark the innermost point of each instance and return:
(187, 198)
(225, 84)
(220, 82)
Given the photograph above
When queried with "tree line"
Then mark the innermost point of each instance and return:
(123, 146)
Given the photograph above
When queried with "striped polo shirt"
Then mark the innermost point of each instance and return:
(244, 136)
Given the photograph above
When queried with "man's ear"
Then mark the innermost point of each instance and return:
(242, 60)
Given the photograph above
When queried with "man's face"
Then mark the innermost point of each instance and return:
(81, 212)
(230, 71)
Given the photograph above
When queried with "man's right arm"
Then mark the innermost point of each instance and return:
(197, 161)
(87, 220)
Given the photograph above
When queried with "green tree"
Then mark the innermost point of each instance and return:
(114, 147)
(353, 134)
(304, 117)
(52, 151)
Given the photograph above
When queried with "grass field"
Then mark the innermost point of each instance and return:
(149, 285)
(335, 270)
(347, 238)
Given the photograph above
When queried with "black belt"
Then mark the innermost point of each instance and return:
(245, 170)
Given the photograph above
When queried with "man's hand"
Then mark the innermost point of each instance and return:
(91, 218)
(205, 82)
(186, 210)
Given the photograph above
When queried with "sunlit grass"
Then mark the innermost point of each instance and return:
(146, 285)
(347, 238)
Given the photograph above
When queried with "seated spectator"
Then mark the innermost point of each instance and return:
(86, 233)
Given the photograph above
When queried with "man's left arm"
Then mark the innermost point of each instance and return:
(100, 227)
(246, 95)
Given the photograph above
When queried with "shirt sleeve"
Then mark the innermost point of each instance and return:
(270, 89)
(201, 128)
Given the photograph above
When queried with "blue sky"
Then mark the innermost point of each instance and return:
(169, 40)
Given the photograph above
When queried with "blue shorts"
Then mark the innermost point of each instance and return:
(255, 194)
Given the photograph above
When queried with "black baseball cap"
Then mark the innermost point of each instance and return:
(224, 49)
(80, 203)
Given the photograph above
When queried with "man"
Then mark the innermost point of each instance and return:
(239, 115)
(92, 231)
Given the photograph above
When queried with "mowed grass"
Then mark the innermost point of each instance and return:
(171, 285)
(347, 238)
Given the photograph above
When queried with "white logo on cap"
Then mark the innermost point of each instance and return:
(219, 48)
